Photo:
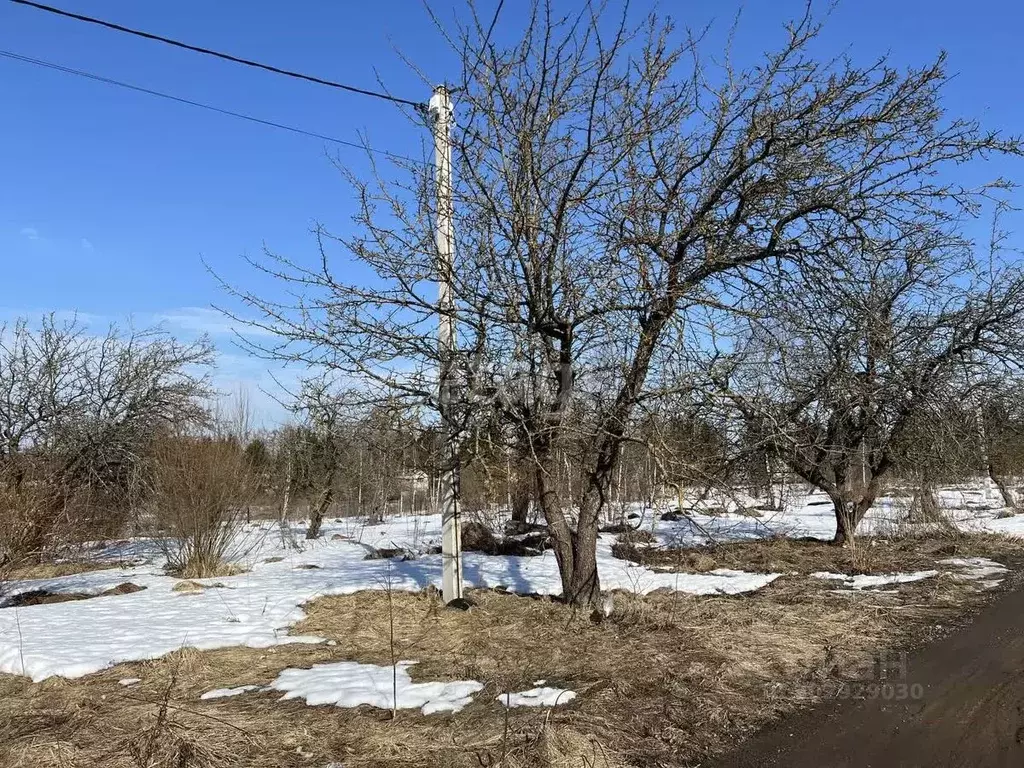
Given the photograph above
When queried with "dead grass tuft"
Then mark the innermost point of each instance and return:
(203, 568)
(188, 586)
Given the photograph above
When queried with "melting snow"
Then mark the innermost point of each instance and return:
(348, 684)
(978, 569)
(257, 608)
(866, 581)
(975, 567)
(221, 693)
(537, 697)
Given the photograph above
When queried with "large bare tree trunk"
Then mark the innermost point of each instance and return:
(846, 522)
(849, 514)
(521, 502)
(575, 548)
(318, 510)
(558, 525)
(585, 584)
(1007, 495)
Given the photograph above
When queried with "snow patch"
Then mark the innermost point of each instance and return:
(721, 581)
(129, 680)
(349, 684)
(537, 697)
(221, 693)
(867, 581)
(978, 569)
(975, 567)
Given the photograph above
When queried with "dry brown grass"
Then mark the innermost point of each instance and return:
(781, 555)
(194, 587)
(50, 570)
(666, 681)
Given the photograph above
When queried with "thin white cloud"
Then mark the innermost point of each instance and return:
(30, 232)
(267, 384)
(87, 244)
(265, 381)
(34, 317)
(208, 321)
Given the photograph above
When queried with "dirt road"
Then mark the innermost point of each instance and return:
(962, 705)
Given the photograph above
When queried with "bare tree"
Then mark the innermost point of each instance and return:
(78, 414)
(1001, 435)
(236, 417)
(610, 182)
(323, 412)
(839, 374)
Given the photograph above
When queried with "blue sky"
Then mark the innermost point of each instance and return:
(110, 200)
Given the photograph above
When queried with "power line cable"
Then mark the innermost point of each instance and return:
(226, 56)
(190, 102)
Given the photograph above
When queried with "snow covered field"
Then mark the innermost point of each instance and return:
(257, 608)
(811, 515)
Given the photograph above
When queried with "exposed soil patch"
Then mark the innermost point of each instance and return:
(43, 597)
(385, 553)
(477, 537)
(527, 542)
(635, 537)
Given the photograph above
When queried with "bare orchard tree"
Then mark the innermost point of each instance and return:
(78, 415)
(40, 381)
(322, 412)
(938, 446)
(1000, 411)
(690, 453)
(608, 181)
(840, 373)
(379, 439)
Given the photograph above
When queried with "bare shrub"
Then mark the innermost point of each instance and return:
(200, 490)
(26, 512)
(40, 512)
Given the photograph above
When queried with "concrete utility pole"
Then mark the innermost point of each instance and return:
(987, 484)
(451, 534)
